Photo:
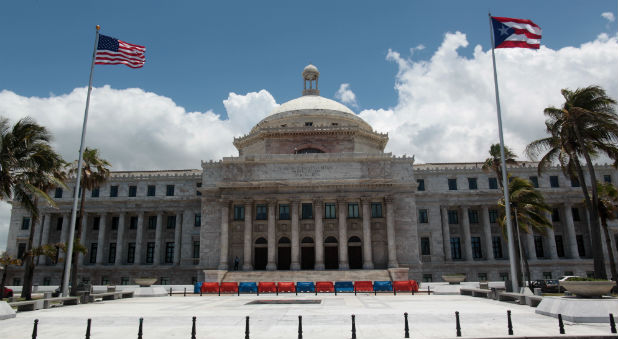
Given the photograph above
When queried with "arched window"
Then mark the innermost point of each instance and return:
(330, 240)
(260, 241)
(284, 240)
(354, 239)
(307, 240)
(309, 150)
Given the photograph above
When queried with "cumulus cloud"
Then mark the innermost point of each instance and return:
(346, 96)
(609, 16)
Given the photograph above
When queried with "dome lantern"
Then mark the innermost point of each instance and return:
(311, 74)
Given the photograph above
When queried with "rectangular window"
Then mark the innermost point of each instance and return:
(152, 222)
(425, 247)
(112, 253)
(607, 178)
(574, 182)
(96, 222)
(307, 211)
(493, 216)
(482, 276)
(171, 222)
(473, 216)
(239, 212)
(21, 250)
(169, 190)
(58, 193)
(25, 223)
(59, 224)
(555, 215)
(553, 181)
(104, 281)
(559, 246)
(422, 216)
(93, 252)
(546, 275)
(113, 191)
(376, 210)
(196, 249)
(132, 191)
(284, 212)
(504, 276)
(538, 246)
(493, 183)
(169, 252)
(455, 248)
(581, 249)
(427, 277)
(150, 247)
(452, 184)
(133, 223)
(151, 190)
(164, 280)
(198, 220)
(353, 210)
(472, 183)
(477, 252)
(453, 217)
(535, 181)
(46, 281)
(575, 212)
(95, 192)
(124, 280)
(261, 212)
(199, 185)
(496, 243)
(421, 184)
(131, 253)
(330, 211)
(16, 281)
(115, 222)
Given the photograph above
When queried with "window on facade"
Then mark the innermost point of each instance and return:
(59, 224)
(473, 216)
(493, 183)
(284, 212)
(538, 246)
(197, 222)
(546, 275)
(46, 281)
(493, 216)
(164, 280)
(575, 212)
(196, 250)
(132, 191)
(124, 280)
(452, 184)
(574, 182)
(353, 210)
(425, 247)
(307, 211)
(95, 192)
(555, 215)
(421, 184)
(504, 276)
(16, 281)
(151, 190)
(477, 252)
(96, 222)
(169, 190)
(330, 211)
(58, 193)
(422, 216)
(607, 178)
(559, 246)
(115, 221)
(308, 123)
(472, 183)
(111, 258)
(169, 252)
(427, 277)
(21, 250)
(376, 210)
(133, 223)
(93, 252)
(482, 276)
(496, 244)
(152, 222)
(239, 212)
(553, 181)
(453, 217)
(261, 212)
(199, 184)
(25, 223)
(131, 253)
(535, 181)
(150, 247)
(171, 222)
(581, 249)
(455, 248)
(113, 191)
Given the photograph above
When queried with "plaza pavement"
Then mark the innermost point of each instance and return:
(223, 317)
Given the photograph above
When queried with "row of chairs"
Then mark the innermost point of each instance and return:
(306, 287)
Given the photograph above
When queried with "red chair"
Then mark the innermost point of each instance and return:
(288, 287)
(402, 286)
(210, 287)
(324, 286)
(414, 285)
(267, 287)
(229, 287)
(363, 286)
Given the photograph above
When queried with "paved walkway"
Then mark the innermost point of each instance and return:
(224, 317)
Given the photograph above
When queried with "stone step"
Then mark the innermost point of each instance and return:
(295, 276)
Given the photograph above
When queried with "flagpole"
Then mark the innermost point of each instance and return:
(69, 254)
(507, 203)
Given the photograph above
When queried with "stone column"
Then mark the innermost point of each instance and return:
(223, 253)
(272, 236)
(467, 239)
(551, 240)
(489, 248)
(367, 251)
(343, 236)
(120, 239)
(82, 240)
(446, 234)
(139, 236)
(570, 230)
(101, 239)
(248, 237)
(45, 234)
(64, 233)
(157, 250)
(319, 236)
(295, 237)
(177, 239)
(390, 233)
(529, 242)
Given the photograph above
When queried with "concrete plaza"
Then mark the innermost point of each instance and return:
(223, 316)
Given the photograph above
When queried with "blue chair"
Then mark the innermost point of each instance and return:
(382, 286)
(247, 287)
(197, 287)
(344, 286)
(305, 286)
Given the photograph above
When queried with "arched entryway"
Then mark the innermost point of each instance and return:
(260, 254)
(307, 254)
(331, 253)
(355, 253)
(284, 254)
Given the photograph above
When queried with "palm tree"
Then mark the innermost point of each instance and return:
(494, 163)
(583, 127)
(6, 261)
(95, 172)
(608, 205)
(529, 212)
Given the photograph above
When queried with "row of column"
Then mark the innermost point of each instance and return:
(319, 235)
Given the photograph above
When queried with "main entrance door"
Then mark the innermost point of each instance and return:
(307, 254)
(355, 253)
(331, 254)
(260, 254)
(284, 254)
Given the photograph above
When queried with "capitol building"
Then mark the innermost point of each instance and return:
(310, 190)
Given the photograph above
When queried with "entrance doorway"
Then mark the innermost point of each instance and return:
(355, 253)
(331, 254)
(284, 254)
(260, 254)
(307, 254)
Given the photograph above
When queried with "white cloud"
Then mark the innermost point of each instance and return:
(346, 96)
(609, 16)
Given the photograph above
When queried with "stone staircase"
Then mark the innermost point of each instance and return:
(295, 276)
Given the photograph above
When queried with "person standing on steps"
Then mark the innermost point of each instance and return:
(236, 261)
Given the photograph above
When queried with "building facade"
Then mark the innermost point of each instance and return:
(311, 189)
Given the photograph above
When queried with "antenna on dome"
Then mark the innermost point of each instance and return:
(311, 74)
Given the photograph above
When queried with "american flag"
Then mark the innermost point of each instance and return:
(111, 51)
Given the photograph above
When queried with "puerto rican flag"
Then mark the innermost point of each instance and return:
(515, 33)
